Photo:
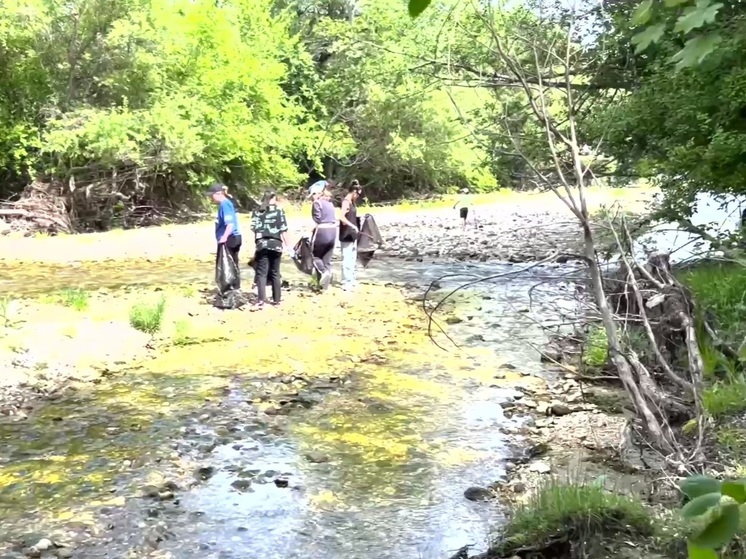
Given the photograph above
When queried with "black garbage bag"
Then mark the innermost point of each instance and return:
(303, 257)
(226, 271)
(368, 241)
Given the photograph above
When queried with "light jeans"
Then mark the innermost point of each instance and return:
(349, 261)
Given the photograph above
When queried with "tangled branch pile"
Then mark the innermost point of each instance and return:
(661, 364)
(96, 200)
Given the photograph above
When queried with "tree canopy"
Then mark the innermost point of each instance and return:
(140, 103)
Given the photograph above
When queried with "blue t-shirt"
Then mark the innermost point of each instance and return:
(226, 215)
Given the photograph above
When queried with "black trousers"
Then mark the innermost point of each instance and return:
(323, 249)
(233, 246)
(268, 270)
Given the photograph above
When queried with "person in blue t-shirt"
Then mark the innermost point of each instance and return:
(227, 231)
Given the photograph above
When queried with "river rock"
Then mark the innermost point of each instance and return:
(478, 494)
(204, 472)
(282, 483)
(560, 410)
(518, 487)
(453, 319)
(539, 468)
(241, 484)
(43, 544)
(316, 457)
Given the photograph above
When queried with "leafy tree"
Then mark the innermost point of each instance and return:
(684, 128)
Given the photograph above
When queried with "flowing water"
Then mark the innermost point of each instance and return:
(391, 455)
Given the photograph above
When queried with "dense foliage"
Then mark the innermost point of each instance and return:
(143, 102)
(684, 127)
(153, 99)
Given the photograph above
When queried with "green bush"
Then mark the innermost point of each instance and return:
(596, 350)
(146, 317)
(76, 298)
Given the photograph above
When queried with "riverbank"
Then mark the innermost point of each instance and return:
(511, 226)
(323, 407)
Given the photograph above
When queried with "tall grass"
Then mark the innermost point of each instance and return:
(148, 317)
(570, 512)
(720, 292)
(75, 297)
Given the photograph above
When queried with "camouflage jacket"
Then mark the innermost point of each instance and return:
(268, 227)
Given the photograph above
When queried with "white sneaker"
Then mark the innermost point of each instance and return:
(326, 280)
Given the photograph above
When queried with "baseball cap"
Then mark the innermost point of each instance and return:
(316, 188)
(214, 189)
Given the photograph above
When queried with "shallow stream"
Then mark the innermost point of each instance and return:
(375, 469)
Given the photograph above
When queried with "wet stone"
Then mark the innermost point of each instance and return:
(279, 482)
(64, 553)
(317, 457)
(241, 484)
(560, 410)
(205, 472)
(478, 494)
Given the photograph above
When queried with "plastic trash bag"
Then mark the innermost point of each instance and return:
(303, 256)
(226, 271)
(368, 241)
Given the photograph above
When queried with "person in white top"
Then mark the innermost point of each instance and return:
(464, 203)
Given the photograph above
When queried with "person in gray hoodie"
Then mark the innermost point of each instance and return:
(325, 232)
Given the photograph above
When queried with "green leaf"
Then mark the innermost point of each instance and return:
(697, 16)
(701, 505)
(648, 36)
(416, 7)
(736, 490)
(700, 552)
(697, 485)
(674, 3)
(696, 50)
(721, 529)
(642, 13)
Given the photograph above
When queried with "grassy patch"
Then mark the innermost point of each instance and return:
(733, 440)
(182, 335)
(720, 290)
(558, 514)
(75, 298)
(146, 317)
(725, 398)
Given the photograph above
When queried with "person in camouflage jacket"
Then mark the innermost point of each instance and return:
(269, 224)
